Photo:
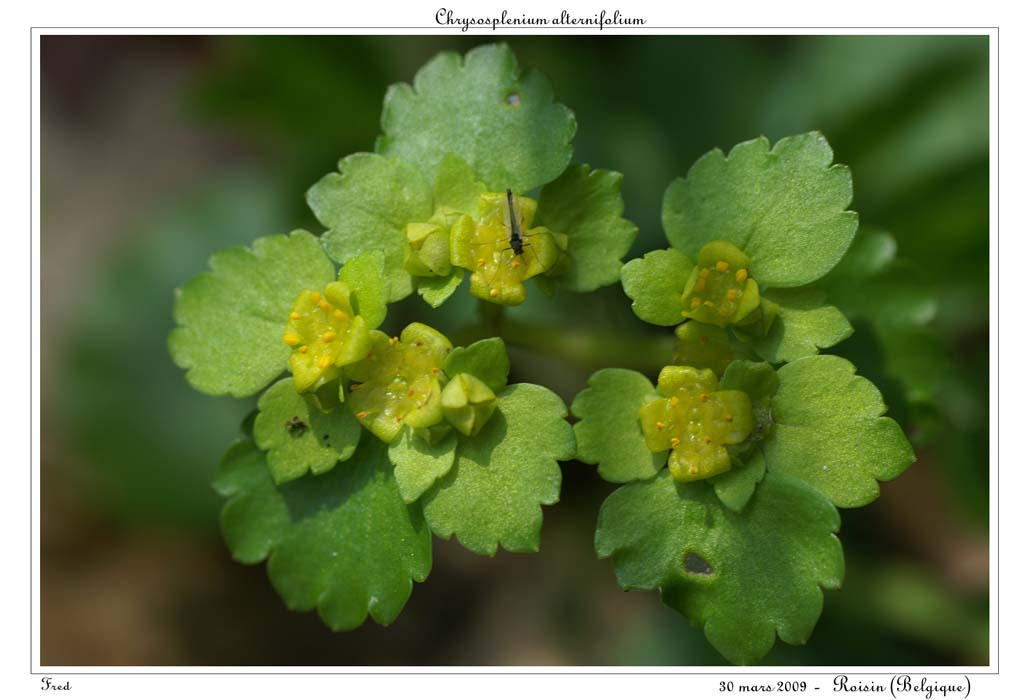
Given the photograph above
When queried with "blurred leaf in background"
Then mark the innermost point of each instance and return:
(152, 441)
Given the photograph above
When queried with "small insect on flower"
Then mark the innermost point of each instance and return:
(501, 247)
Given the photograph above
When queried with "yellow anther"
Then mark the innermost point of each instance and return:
(291, 339)
(494, 292)
(722, 266)
(674, 401)
(435, 370)
(329, 336)
(302, 348)
(704, 397)
(705, 272)
(316, 297)
(660, 425)
(325, 362)
(694, 302)
(410, 392)
(725, 310)
(731, 295)
(515, 264)
(340, 315)
(481, 262)
(675, 442)
(362, 414)
(741, 276)
(394, 340)
(693, 471)
(709, 303)
(324, 305)
(294, 315)
(700, 286)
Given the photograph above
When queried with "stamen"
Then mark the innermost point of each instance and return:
(291, 339)
(675, 442)
(325, 362)
(329, 336)
(722, 266)
(316, 297)
(303, 348)
(741, 276)
(294, 315)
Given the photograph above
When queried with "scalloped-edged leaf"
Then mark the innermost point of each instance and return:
(300, 438)
(501, 119)
(784, 206)
(366, 206)
(655, 284)
(586, 205)
(418, 464)
(608, 433)
(484, 359)
(230, 320)
(803, 325)
(456, 186)
(436, 290)
(736, 486)
(744, 577)
(366, 275)
(830, 431)
(492, 495)
(344, 542)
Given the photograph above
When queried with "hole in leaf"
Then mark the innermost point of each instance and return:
(696, 564)
(513, 99)
(296, 426)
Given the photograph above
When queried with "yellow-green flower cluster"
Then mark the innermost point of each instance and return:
(696, 422)
(325, 335)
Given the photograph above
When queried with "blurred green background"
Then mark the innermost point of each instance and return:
(158, 151)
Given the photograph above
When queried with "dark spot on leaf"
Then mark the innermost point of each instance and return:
(296, 426)
(325, 437)
(513, 99)
(696, 564)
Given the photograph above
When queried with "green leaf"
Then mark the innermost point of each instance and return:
(744, 576)
(300, 438)
(586, 205)
(456, 186)
(655, 284)
(870, 282)
(504, 474)
(418, 464)
(344, 542)
(784, 207)
(366, 275)
(485, 359)
(231, 319)
(436, 290)
(500, 119)
(804, 325)
(736, 486)
(366, 206)
(608, 433)
(829, 431)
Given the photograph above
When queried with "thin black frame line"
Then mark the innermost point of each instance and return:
(34, 29)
